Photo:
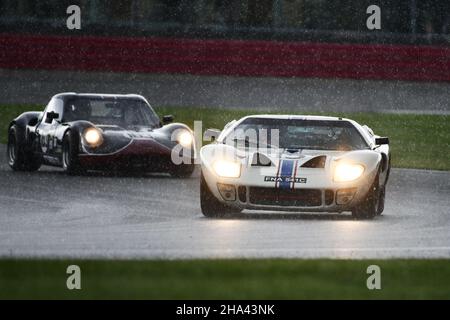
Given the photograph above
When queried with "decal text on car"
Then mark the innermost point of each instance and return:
(284, 179)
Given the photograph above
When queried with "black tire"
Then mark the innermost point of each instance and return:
(182, 170)
(370, 206)
(211, 207)
(19, 158)
(69, 157)
(381, 200)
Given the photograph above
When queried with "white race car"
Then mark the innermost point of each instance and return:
(294, 163)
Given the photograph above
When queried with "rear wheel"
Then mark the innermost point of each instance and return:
(70, 162)
(211, 207)
(19, 158)
(373, 204)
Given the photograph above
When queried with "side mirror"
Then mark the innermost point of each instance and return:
(381, 140)
(211, 134)
(167, 119)
(51, 116)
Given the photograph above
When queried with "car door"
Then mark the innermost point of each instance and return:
(46, 130)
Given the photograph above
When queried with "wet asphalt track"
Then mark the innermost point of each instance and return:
(50, 214)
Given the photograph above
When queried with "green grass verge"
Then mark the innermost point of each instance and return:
(417, 141)
(225, 279)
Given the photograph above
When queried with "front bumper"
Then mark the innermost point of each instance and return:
(308, 200)
(326, 196)
(147, 154)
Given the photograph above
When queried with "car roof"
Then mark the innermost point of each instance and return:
(294, 117)
(306, 117)
(65, 95)
(227, 129)
(300, 117)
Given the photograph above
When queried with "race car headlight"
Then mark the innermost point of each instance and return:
(185, 139)
(347, 172)
(227, 168)
(93, 137)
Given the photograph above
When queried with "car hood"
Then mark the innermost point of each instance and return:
(302, 156)
(136, 133)
(116, 138)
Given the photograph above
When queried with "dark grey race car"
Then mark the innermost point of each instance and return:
(80, 132)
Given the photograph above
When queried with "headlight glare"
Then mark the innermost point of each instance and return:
(93, 137)
(345, 172)
(227, 168)
(185, 139)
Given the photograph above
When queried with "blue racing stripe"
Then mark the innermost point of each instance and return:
(286, 172)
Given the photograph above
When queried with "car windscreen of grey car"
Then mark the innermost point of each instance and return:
(299, 134)
(125, 113)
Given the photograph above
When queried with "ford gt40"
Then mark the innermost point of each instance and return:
(294, 163)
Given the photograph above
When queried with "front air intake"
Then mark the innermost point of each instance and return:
(317, 162)
(279, 197)
(242, 193)
(329, 197)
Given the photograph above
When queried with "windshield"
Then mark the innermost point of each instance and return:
(125, 113)
(297, 134)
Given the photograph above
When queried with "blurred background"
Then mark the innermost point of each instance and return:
(403, 21)
(296, 54)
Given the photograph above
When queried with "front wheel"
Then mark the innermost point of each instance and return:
(70, 163)
(211, 207)
(373, 204)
